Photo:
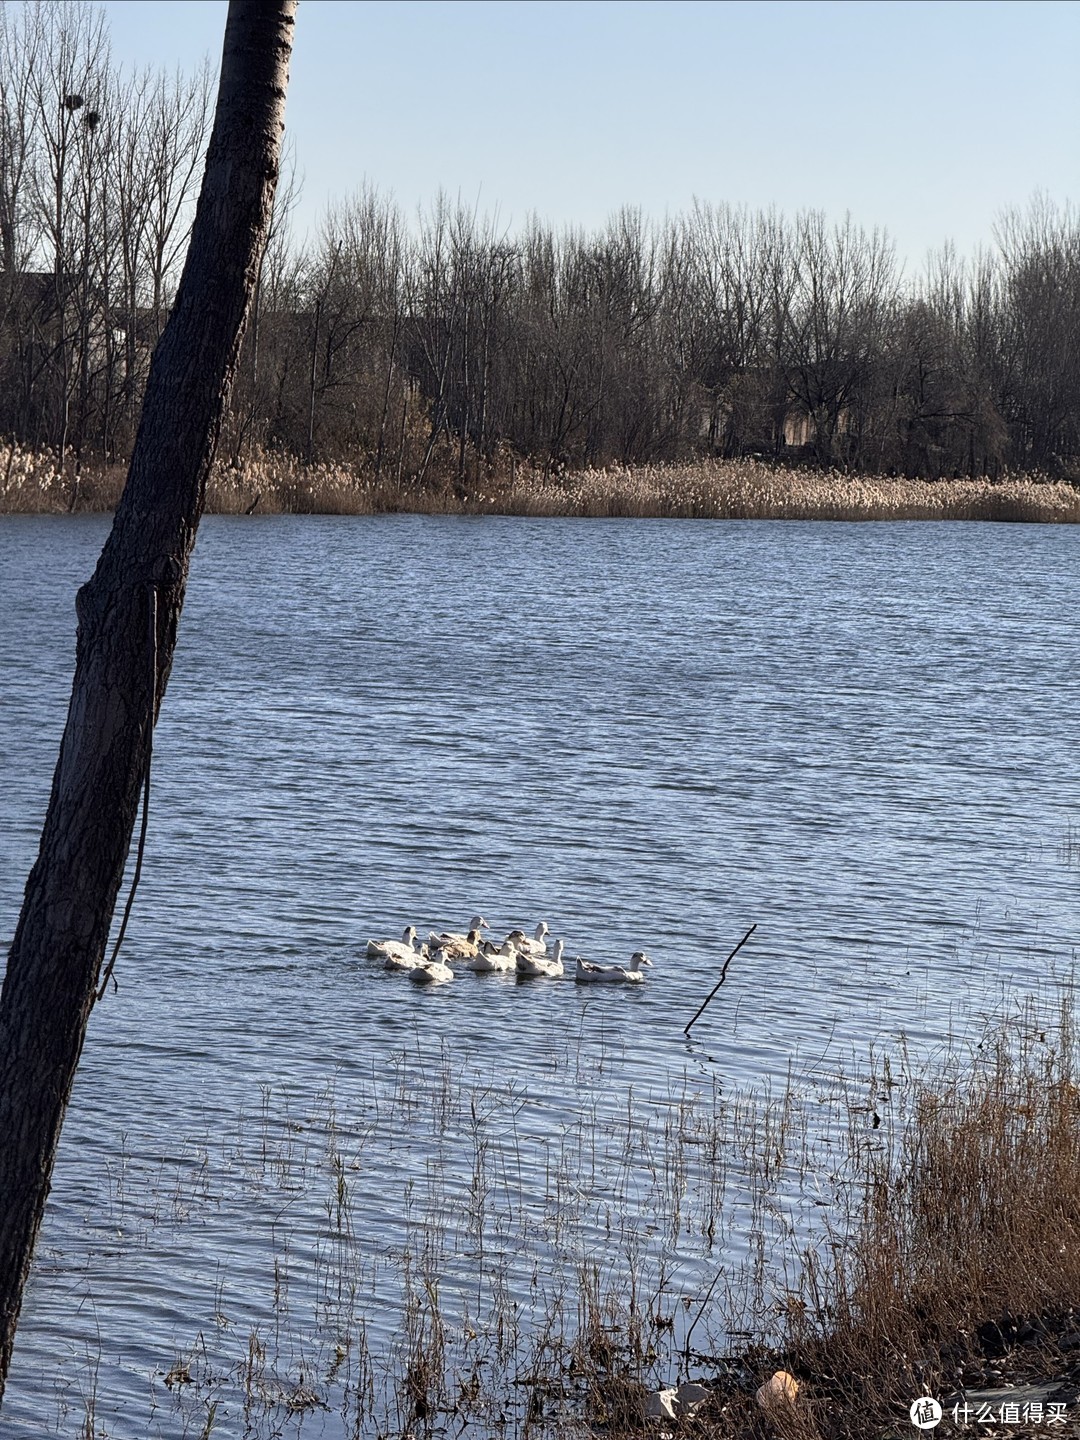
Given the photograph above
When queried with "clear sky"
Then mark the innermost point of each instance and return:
(924, 118)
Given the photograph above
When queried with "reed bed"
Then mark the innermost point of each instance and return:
(956, 1260)
(267, 483)
(907, 1234)
(754, 490)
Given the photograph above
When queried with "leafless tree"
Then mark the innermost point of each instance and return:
(1040, 339)
(128, 616)
(65, 95)
(846, 290)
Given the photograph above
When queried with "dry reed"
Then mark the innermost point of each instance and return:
(753, 490)
(957, 1260)
(268, 483)
(920, 1234)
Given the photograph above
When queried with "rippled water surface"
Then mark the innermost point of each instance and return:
(863, 739)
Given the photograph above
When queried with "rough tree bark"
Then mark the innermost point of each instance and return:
(128, 615)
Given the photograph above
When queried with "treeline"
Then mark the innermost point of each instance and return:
(722, 332)
(435, 350)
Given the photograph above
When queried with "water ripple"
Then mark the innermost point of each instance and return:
(649, 734)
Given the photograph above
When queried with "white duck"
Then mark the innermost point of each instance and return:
(440, 938)
(587, 974)
(434, 972)
(493, 957)
(537, 945)
(541, 964)
(400, 954)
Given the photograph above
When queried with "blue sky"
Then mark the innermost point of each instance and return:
(926, 119)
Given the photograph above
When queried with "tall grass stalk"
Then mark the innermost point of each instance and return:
(956, 1260)
(908, 1233)
(268, 483)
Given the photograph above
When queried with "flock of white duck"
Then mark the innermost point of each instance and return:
(432, 963)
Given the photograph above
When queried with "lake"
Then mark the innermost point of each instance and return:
(283, 1165)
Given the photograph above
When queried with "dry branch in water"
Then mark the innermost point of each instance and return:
(723, 976)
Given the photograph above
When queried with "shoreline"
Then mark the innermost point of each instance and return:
(705, 490)
(946, 1268)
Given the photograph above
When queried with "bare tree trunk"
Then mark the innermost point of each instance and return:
(128, 615)
(309, 449)
(391, 364)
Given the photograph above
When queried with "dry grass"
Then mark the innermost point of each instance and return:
(707, 489)
(919, 1234)
(957, 1260)
(753, 490)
